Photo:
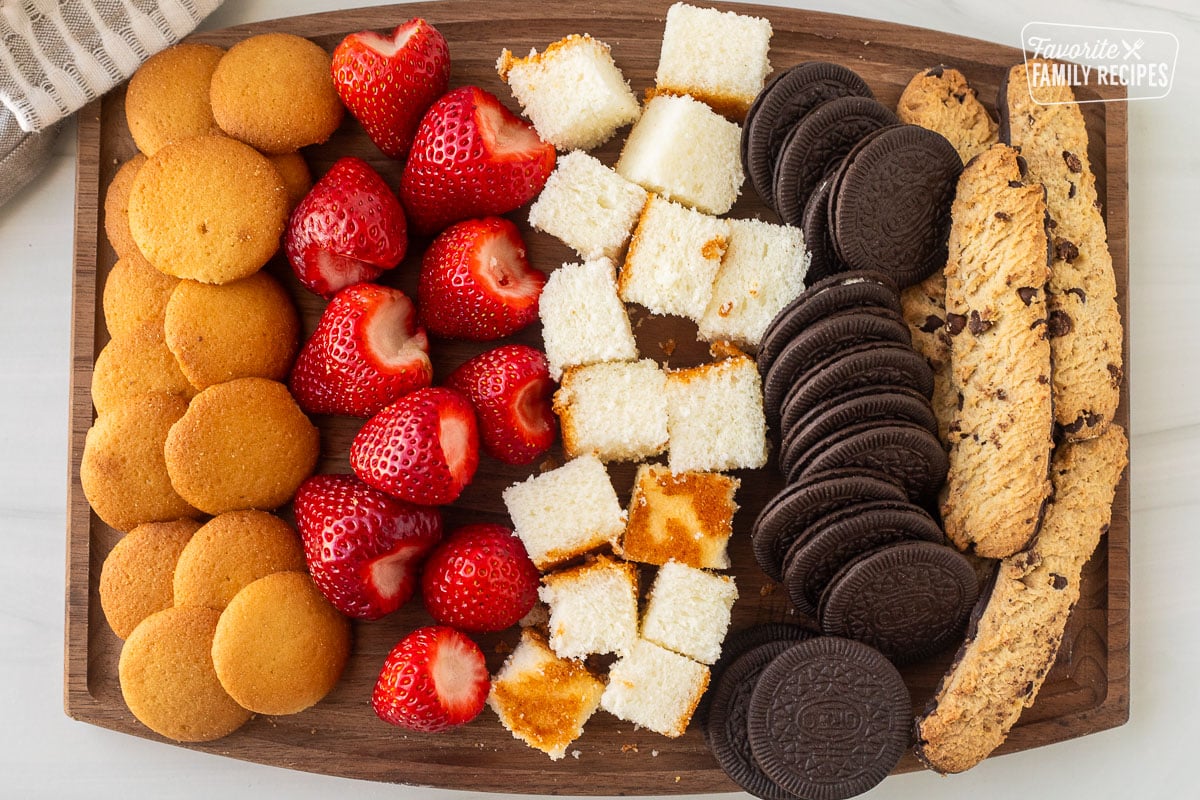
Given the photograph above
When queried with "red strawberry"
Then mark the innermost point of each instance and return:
(423, 448)
(388, 82)
(480, 579)
(510, 388)
(434, 678)
(471, 157)
(366, 351)
(362, 546)
(348, 228)
(476, 282)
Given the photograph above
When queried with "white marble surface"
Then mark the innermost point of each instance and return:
(43, 753)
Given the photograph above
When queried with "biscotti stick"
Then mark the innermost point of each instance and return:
(1003, 663)
(1085, 322)
(1001, 436)
(941, 100)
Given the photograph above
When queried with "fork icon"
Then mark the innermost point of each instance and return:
(1132, 50)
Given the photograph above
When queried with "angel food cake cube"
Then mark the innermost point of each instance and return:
(762, 271)
(655, 688)
(588, 206)
(566, 512)
(718, 57)
(615, 410)
(682, 149)
(689, 611)
(593, 608)
(673, 259)
(685, 517)
(715, 417)
(572, 92)
(583, 320)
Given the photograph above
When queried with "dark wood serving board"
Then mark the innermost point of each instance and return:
(1087, 690)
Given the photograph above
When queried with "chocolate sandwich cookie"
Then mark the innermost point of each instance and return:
(786, 516)
(908, 600)
(816, 146)
(825, 339)
(829, 718)
(836, 539)
(823, 260)
(890, 208)
(742, 641)
(906, 453)
(866, 404)
(784, 101)
(872, 364)
(843, 292)
(725, 727)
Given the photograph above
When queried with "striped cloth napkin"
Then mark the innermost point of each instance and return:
(56, 55)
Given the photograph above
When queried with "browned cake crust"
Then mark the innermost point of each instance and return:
(1003, 663)
(1085, 322)
(1001, 437)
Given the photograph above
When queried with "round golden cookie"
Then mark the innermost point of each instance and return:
(167, 98)
(241, 444)
(231, 551)
(207, 208)
(135, 294)
(242, 329)
(134, 364)
(123, 471)
(297, 177)
(137, 576)
(116, 208)
(280, 646)
(168, 680)
(275, 92)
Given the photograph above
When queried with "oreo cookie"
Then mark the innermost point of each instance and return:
(843, 292)
(743, 640)
(816, 146)
(780, 105)
(829, 718)
(836, 539)
(823, 260)
(872, 364)
(908, 600)
(908, 454)
(916, 171)
(866, 404)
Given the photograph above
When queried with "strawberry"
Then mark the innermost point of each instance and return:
(423, 448)
(476, 281)
(510, 388)
(480, 579)
(434, 679)
(348, 228)
(362, 546)
(471, 157)
(366, 351)
(388, 82)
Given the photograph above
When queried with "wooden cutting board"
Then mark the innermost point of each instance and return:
(1087, 690)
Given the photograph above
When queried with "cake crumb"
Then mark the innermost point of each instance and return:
(629, 748)
(575, 754)
(668, 347)
(767, 589)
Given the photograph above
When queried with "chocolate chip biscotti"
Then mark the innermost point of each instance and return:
(1002, 433)
(1085, 322)
(1010, 650)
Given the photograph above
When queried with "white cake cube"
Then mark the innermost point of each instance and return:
(583, 320)
(715, 416)
(655, 688)
(572, 92)
(616, 410)
(588, 206)
(593, 608)
(673, 259)
(689, 611)
(566, 512)
(685, 151)
(763, 270)
(719, 57)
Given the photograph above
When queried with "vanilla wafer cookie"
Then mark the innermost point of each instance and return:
(1011, 648)
(1085, 321)
(1002, 434)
